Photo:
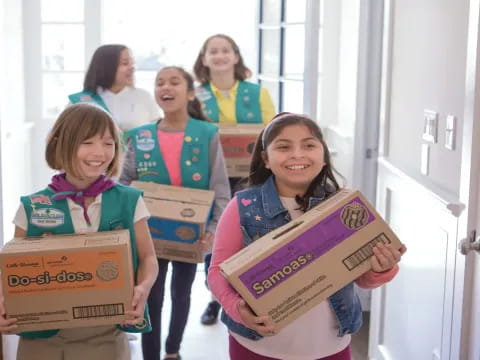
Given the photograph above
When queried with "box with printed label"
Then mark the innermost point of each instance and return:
(178, 219)
(238, 142)
(293, 268)
(66, 281)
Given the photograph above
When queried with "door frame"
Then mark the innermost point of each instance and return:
(466, 305)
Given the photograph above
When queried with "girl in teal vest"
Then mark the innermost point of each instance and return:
(84, 145)
(109, 82)
(228, 99)
(182, 149)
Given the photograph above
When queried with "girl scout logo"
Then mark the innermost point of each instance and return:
(145, 140)
(47, 217)
(354, 216)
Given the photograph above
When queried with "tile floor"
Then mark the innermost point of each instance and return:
(211, 342)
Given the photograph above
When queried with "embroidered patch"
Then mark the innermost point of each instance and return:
(188, 139)
(85, 98)
(246, 202)
(40, 199)
(258, 218)
(197, 177)
(145, 140)
(202, 94)
(146, 156)
(47, 217)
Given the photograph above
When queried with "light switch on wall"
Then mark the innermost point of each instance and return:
(450, 132)
(430, 124)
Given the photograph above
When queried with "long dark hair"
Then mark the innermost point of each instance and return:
(103, 67)
(202, 72)
(194, 107)
(325, 181)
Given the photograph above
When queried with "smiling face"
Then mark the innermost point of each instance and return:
(220, 56)
(171, 91)
(295, 157)
(125, 70)
(93, 158)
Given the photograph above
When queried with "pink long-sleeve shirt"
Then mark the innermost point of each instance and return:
(229, 240)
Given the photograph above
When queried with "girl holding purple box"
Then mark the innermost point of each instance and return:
(290, 172)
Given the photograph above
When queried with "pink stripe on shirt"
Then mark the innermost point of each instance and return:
(229, 240)
(170, 150)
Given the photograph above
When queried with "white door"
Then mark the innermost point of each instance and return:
(432, 309)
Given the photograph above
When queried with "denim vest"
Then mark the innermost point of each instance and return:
(264, 201)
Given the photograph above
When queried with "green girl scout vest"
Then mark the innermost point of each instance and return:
(118, 210)
(87, 96)
(195, 163)
(247, 103)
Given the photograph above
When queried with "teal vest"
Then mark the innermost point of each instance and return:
(195, 155)
(118, 211)
(247, 103)
(87, 96)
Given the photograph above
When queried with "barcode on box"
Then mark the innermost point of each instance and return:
(93, 311)
(365, 252)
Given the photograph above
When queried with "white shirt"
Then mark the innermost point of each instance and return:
(311, 336)
(80, 225)
(131, 107)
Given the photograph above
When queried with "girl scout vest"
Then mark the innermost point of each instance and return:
(87, 96)
(247, 103)
(118, 210)
(194, 158)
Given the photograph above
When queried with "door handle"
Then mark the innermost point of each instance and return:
(470, 243)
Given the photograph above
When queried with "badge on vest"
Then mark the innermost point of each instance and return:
(47, 217)
(202, 94)
(145, 140)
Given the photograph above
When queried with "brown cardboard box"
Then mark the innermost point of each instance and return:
(179, 218)
(238, 142)
(66, 281)
(293, 268)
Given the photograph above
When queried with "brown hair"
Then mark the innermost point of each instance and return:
(103, 67)
(202, 72)
(194, 107)
(259, 173)
(76, 124)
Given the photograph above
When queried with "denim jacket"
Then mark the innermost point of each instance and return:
(266, 202)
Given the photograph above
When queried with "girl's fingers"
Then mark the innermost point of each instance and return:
(380, 258)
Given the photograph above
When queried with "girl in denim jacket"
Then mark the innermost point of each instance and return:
(291, 172)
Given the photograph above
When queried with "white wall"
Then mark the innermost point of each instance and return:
(428, 72)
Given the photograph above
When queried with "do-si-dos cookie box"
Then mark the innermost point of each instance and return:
(179, 217)
(66, 281)
(293, 268)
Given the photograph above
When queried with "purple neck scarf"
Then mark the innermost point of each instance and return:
(65, 190)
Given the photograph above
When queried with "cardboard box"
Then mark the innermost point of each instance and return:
(179, 217)
(238, 142)
(66, 281)
(293, 268)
